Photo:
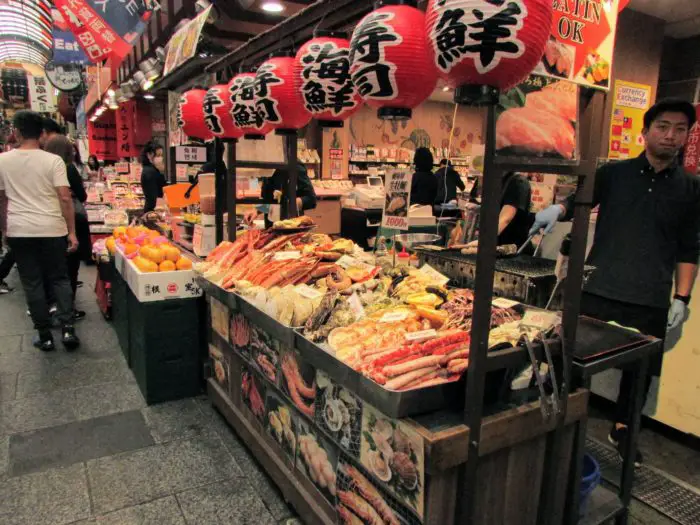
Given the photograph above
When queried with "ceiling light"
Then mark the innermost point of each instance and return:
(110, 92)
(151, 68)
(144, 83)
(446, 89)
(160, 54)
(149, 96)
(273, 7)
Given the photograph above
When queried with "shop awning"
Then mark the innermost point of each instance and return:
(25, 31)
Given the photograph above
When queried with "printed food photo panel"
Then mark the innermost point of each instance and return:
(393, 453)
(219, 317)
(317, 459)
(220, 367)
(253, 393)
(280, 423)
(240, 335)
(338, 413)
(298, 382)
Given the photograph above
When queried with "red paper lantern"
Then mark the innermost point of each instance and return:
(493, 43)
(243, 111)
(277, 97)
(389, 59)
(323, 76)
(190, 115)
(217, 113)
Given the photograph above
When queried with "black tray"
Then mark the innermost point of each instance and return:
(393, 404)
(230, 299)
(595, 339)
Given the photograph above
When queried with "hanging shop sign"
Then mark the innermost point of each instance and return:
(277, 99)
(196, 154)
(691, 154)
(41, 95)
(487, 43)
(629, 105)
(66, 49)
(539, 119)
(242, 91)
(14, 87)
(64, 77)
(323, 77)
(581, 43)
(183, 44)
(105, 29)
(217, 113)
(387, 49)
(397, 200)
(102, 137)
(190, 115)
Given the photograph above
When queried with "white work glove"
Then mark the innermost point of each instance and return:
(677, 314)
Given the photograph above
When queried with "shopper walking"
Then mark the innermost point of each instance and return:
(61, 146)
(647, 229)
(152, 178)
(36, 211)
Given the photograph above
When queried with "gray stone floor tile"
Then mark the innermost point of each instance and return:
(164, 511)
(105, 399)
(10, 344)
(77, 442)
(217, 422)
(64, 376)
(53, 497)
(8, 387)
(230, 502)
(136, 477)
(41, 411)
(176, 420)
(4, 456)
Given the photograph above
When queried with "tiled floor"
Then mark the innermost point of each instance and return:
(79, 445)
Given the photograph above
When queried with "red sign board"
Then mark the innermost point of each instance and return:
(691, 157)
(133, 120)
(102, 137)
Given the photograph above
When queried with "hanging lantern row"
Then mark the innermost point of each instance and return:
(392, 62)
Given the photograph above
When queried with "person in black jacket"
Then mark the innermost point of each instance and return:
(152, 178)
(306, 195)
(448, 181)
(424, 185)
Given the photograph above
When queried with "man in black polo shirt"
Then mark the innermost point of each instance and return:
(647, 230)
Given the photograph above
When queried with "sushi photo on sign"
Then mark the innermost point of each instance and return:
(397, 200)
(539, 119)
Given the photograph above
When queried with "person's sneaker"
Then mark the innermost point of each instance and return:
(78, 315)
(4, 288)
(79, 284)
(53, 309)
(618, 437)
(44, 342)
(68, 338)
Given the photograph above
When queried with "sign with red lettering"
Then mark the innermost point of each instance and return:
(691, 155)
(580, 46)
(102, 137)
(105, 28)
(397, 200)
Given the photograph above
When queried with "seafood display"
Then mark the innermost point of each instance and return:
(253, 391)
(300, 391)
(339, 413)
(295, 223)
(279, 425)
(361, 500)
(239, 330)
(393, 453)
(265, 353)
(220, 365)
(317, 461)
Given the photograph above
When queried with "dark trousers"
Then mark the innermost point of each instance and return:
(73, 269)
(40, 261)
(646, 319)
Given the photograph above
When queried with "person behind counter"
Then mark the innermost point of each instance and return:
(424, 185)
(274, 191)
(647, 227)
(448, 180)
(152, 178)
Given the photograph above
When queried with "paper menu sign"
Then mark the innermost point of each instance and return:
(502, 302)
(541, 319)
(287, 256)
(434, 275)
(423, 335)
(393, 317)
(397, 200)
(306, 291)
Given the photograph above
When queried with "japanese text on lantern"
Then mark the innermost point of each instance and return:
(243, 111)
(371, 72)
(212, 100)
(327, 85)
(265, 103)
(487, 34)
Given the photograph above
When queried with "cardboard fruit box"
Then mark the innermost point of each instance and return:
(149, 287)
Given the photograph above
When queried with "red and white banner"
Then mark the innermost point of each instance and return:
(691, 156)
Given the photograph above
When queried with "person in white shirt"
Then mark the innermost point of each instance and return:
(36, 212)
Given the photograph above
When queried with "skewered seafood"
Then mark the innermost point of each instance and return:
(370, 494)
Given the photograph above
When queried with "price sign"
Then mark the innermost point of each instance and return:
(541, 319)
(306, 291)
(287, 256)
(394, 317)
(423, 335)
(434, 275)
(502, 302)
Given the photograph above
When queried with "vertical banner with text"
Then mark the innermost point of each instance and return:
(41, 94)
(691, 156)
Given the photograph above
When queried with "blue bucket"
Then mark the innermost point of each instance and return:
(590, 479)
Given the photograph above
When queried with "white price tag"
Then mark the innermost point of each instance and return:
(434, 275)
(502, 302)
(306, 291)
(541, 319)
(346, 261)
(356, 306)
(286, 256)
(394, 317)
(423, 335)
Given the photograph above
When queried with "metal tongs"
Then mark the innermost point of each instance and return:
(527, 242)
(549, 405)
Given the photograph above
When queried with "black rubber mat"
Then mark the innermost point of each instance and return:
(661, 492)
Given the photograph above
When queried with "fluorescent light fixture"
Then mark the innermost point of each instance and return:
(273, 7)
(149, 96)
(446, 89)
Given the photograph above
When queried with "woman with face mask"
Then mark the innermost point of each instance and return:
(152, 178)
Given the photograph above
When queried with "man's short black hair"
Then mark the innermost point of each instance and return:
(51, 126)
(29, 124)
(673, 105)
